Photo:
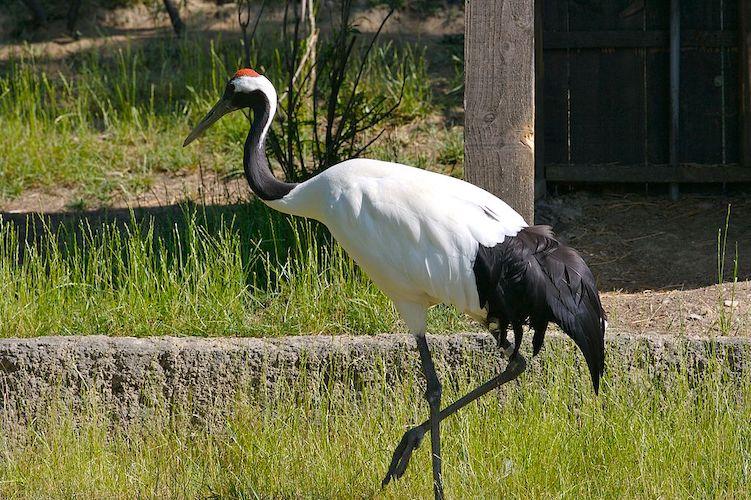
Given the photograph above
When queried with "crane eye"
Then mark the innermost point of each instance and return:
(229, 90)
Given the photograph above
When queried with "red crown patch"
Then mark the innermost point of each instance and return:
(245, 72)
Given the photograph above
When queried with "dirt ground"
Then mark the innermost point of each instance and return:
(140, 23)
(656, 260)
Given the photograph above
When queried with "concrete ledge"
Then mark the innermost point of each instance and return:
(133, 377)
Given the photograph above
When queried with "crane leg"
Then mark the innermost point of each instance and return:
(412, 438)
(433, 396)
(498, 329)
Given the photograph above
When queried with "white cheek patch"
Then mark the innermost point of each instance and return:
(246, 84)
(249, 84)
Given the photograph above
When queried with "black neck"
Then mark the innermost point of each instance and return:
(256, 165)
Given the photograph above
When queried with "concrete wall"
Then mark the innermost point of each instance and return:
(133, 377)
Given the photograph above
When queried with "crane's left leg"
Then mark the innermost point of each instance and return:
(412, 438)
(433, 396)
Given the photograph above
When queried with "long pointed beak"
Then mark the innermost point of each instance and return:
(220, 109)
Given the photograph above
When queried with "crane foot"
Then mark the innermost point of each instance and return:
(409, 443)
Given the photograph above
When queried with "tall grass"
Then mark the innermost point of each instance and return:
(105, 118)
(129, 83)
(117, 115)
(396, 71)
(726, 306)
(240, 270)
(677, 435)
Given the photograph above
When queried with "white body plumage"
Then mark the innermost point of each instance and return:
(415, 233)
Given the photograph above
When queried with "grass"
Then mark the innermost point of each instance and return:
(110, 118)
(236, 270)
(113, 118)
(428, 145)
(726, 306)
(670, 436)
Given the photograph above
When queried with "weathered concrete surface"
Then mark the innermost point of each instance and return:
(133, 377)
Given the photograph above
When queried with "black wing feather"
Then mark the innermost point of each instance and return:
(533, 277)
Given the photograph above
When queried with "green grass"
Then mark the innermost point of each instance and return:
(112, 118)
(725, 314)
(670, 436)
(236, 270)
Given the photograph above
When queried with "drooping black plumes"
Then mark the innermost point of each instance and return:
(534, 278)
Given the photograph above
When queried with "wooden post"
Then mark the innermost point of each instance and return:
(744, 34)
(499, 100)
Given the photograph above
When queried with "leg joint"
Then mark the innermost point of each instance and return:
(433, 392)
(516, 365)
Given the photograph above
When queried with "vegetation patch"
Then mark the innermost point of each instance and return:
(109, 120)
(234, 270)
(678, 433)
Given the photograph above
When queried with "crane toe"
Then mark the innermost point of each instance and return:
(409, 443)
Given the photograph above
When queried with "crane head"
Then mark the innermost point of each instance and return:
(245, 89)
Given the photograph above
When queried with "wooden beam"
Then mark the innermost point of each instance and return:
(690, 173)
(540, 186)
(744, 61)
(499, 100)
(675, 87)
(559, 40)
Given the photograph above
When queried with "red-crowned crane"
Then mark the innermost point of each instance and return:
(426, 238)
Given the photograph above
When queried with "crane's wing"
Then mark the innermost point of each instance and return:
(533, 276)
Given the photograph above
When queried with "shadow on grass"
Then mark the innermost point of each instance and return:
(75, 234)
(632, 242)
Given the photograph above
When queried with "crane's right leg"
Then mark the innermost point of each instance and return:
(433, 396)
(415, 315)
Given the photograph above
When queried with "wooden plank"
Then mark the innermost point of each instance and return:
(730, 85)
(637, 39)
(607, 91)
(657, 87)
(744, 65)
(600, 15)
(622, 122)
(585, 84)
(555, 87)
(499, 100)
(701, 90)
(675, 81)
(539, 136)
(585, 141)
(730, 14)
(731, 107)
(657, 16)
(555, 104)
(657, 95)
(691, 173)
(700, 14)
(554, 16)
